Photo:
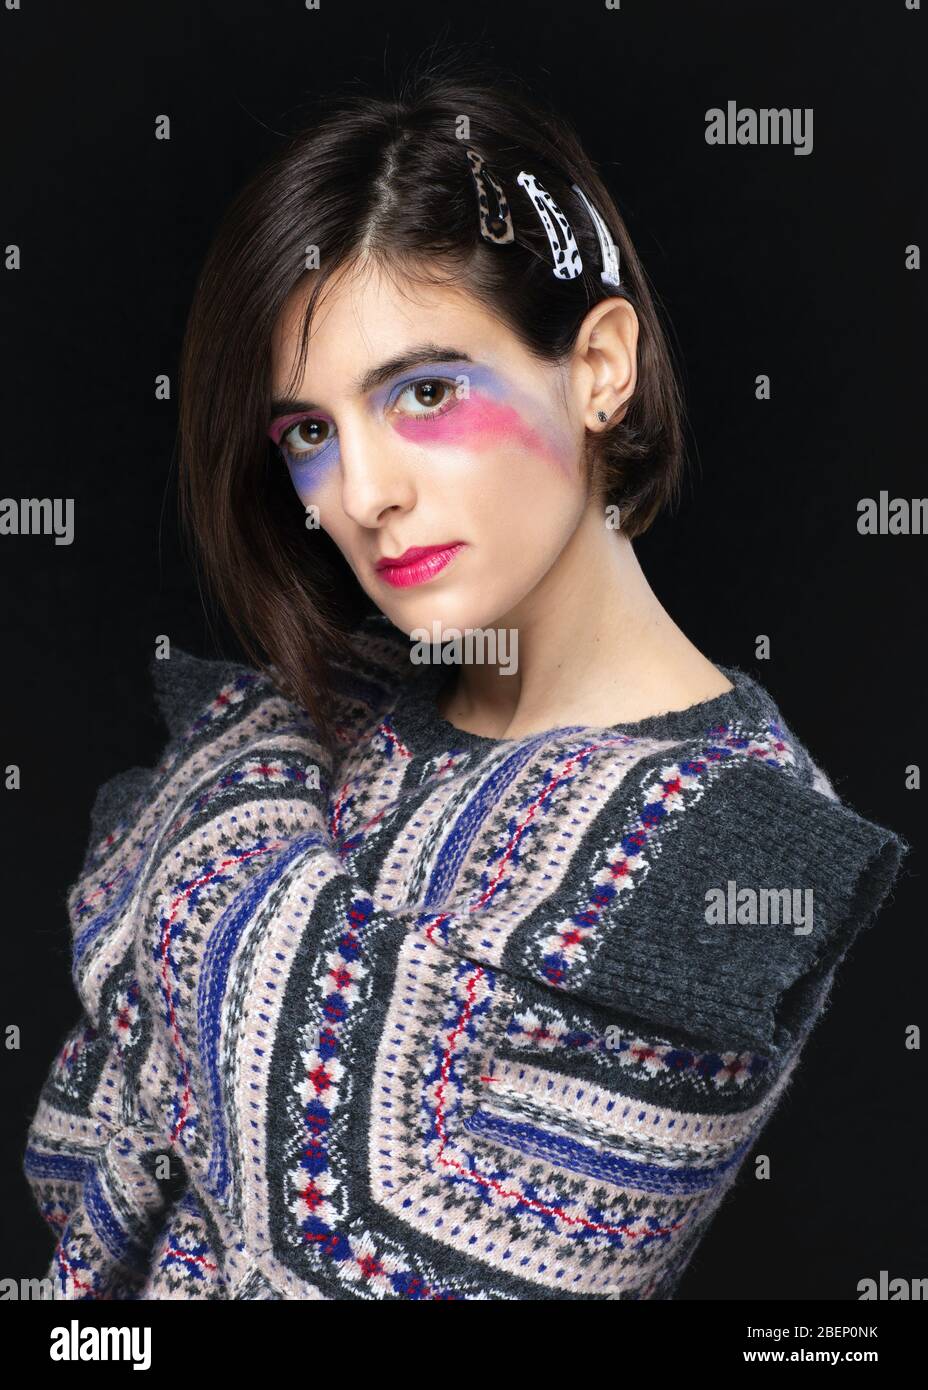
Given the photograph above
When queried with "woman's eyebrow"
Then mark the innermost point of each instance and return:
(376, 376)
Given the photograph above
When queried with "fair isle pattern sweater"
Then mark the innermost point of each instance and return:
(451, 1024)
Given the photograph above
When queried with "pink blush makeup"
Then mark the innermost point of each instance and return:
(478, 424)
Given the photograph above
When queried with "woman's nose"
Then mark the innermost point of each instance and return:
(376, 473)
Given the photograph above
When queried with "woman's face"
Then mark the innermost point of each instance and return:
(421, 423)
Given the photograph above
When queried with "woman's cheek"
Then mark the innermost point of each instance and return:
(309, 479)
(485, 426)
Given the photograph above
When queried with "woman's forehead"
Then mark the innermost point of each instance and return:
(362, 321)
(373, 298)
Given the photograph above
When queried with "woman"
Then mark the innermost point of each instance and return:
(401, 981)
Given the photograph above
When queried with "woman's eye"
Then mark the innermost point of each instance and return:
(306, 436)
(418, 400)
(425, 398)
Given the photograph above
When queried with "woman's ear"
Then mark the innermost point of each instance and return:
(606, 362)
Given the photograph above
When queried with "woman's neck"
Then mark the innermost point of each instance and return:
(595, 647)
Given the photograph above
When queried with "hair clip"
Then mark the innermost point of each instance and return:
(607, 247)
(495, 226)
(567, 262)
(496, 221)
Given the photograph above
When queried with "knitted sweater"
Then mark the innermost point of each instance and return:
(471, 1018)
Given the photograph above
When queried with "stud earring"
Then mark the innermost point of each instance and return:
(601, 416)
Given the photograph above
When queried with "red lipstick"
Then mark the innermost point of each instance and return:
(417, 564)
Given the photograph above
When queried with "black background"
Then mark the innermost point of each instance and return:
(766, 262)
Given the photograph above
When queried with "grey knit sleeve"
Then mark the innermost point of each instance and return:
(753, 902)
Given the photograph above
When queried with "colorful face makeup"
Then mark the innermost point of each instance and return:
(485, 413)
(308, 445)
(441, 457)
(447, 403)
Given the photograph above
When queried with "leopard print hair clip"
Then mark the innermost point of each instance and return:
(495, 225)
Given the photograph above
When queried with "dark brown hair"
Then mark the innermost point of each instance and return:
(388, 177)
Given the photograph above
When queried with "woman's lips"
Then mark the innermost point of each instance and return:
(417, 564)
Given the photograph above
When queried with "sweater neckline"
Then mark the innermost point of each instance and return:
(424, 730)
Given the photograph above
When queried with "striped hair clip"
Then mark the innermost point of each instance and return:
(607, 247)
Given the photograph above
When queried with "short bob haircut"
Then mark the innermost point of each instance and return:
(387, 182)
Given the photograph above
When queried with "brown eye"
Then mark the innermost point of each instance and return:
(306, 438)
(425, 399)
(312, 431)
(429, 392)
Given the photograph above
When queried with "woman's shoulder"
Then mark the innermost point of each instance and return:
(719, 880)
(743, 877)
(187, 688)
(199, 700)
